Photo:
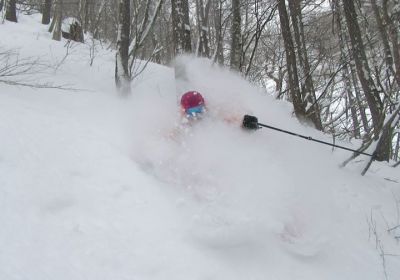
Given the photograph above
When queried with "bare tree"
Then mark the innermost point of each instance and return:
(122, 77)
(263, 14)
(84, 14)
(293, 80)
(363, 69)
(218, 55)
(307, 84)
(392, 30)
(385, 137)
(141, 32)
(236, 36)
(55, 25)
(384, 39)
(181, 27)
(203, 11)
(354, 101)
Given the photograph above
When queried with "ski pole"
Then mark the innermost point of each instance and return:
(251, 122)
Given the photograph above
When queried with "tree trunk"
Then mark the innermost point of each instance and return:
(219, 55)
(396, 154)
(293, 80)
(86, 21)
(46, 12)
(11, 11)
(122, 76)
(82, 14)
(202, 15)
(360, 103)
(359, 100)
(385, 139)
(307, 84)
(236, 35)
(181, 27)
(187, 38)
(57, 20)
(393, 37)
(346, 75)
(385, 41)
(383, 150)
(363, 70)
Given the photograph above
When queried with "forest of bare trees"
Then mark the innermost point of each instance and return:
(336, 61)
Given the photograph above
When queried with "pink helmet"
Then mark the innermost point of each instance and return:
(191, 99)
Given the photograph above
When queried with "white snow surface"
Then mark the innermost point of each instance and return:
(98, 186)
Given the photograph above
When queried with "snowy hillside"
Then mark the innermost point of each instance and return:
(94, 186)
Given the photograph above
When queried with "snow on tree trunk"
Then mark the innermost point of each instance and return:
(145, 27)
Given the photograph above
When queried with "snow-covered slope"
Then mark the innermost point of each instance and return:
(94, 186)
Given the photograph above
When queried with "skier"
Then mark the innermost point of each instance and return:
(194, 107)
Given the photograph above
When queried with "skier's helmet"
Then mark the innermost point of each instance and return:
(192, 103)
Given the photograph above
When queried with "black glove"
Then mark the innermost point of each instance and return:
(250, 122)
